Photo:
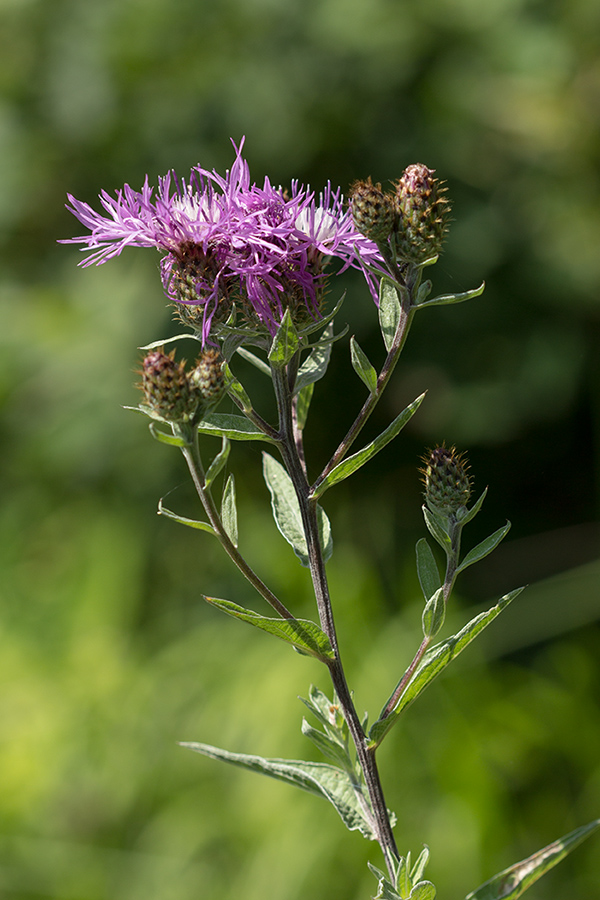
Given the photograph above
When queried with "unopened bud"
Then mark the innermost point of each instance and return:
(208, 378)
(372, 211)
(447, 484)
(166, 387)
(423, 212)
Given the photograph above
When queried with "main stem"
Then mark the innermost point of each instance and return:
(289, 440)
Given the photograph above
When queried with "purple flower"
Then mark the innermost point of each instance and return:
(227, 240)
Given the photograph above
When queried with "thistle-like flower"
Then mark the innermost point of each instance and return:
(447, 484)
(228, 242)
(166, 387)
(373, 211)
(208, 378)
(423, 214)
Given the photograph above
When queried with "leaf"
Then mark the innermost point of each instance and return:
(218, 463)
(512, 883)
(236, 428)
(303, 405)
(434, 661)
(348, 466)
(256, 361)
(286, 511)
(285, 343)
(165, 341)
(389, 311)
(445, 299)
(164, 438)
(434, 614)
(321, 779)
(363, 368)
(424, 890)
(427, 570)
(484, 548)
(191, 523)
(235, 389)
(327, 746)
(466, 515)
(301, 633)
(229, 511)
(438, 527)
(315, 365)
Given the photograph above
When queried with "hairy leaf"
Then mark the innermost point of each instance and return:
(320, 779)
(236, 428)
(389, 311)
(361, 365)
(191, 523)
(427, 570)
(484, 548)
(315, 365)
(434, 661)
(286, 511)
(445, 299)
(229, 511)
(301, 633)
(285, 343)
(352, 463)
(218, 463)
(511, 883)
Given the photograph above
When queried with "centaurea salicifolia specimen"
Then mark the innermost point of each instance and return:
(249, 266)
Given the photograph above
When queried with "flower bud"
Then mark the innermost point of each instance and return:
(372, 211)
(447, 485)
(166, 387)
(423, 212)
(208, 378)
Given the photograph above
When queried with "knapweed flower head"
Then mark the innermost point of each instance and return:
(423, 212)
(373, 211)
(447, 484)
(227, 242)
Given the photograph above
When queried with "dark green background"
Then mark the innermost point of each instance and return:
(107, 654)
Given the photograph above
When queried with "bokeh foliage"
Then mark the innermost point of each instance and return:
(107, 657)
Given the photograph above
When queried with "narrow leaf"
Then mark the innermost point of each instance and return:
(165, 341)
(389, 311)
(285, 343)
(256, 361)
(286, 511)
(427, 570)
(320, 779)
(301, 633)
(363, 368)
(164, 438)
(191, 523)
(512, 883)
(436, 525)
(218, 463)
(484, 548)
(434, 614)
(445, 299)
(348, 466)
(236, 389)
(303, 400)
(315, 365)
(434, 661)
(236, 428)
(229, 511)
(466, 515)
(327, 746)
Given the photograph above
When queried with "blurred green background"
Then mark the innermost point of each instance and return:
(107, 655)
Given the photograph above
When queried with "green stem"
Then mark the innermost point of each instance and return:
(191, 452)
(289, 438)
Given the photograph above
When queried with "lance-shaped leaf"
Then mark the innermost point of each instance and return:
(445, 299)
(427, 570)
(301, 633)
(352, 463)
(328, 747)
(177, 337)
(236, 428)
(437, 525)
(286, 511)
(484, 548)
(256, 361)
(320, 779)
(434, 614)
(389, 311)
(229, 511)
(511, 883)
(361, 365)
(236, 390)
(315, 365)
(434, 661)
(465, 515)
(162, 437)
(285, 343)
(191, 523)
(218, 463)
(303, 400)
